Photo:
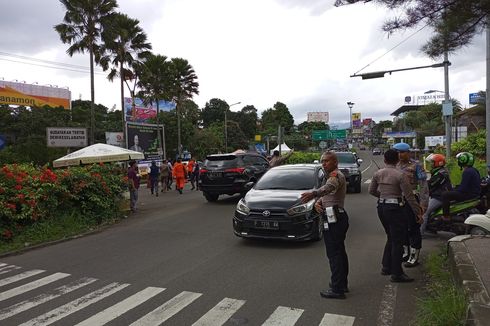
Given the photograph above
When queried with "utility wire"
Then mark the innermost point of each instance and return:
(52, 67)
(403, 41)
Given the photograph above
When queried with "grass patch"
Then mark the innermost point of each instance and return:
(57, 228)
(443, 303)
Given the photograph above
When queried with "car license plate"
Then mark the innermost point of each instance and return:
(214, 174)
(271, 225)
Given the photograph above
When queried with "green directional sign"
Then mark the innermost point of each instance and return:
(328, 134)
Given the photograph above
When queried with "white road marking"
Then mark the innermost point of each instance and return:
(387, 306)
(370, 164)
(28, 304)
(75, 305)
(20, 276)
(32, 285)
(220, 313)
(283, 316)
(8, 269)
(120, 308)
(337, 320)
(2, 264)
(168, 309)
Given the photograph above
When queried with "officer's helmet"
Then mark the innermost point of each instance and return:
(465, 159)
(436, 160)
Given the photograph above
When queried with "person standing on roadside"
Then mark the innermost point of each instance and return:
(195, 175)
(335, 223)
(180, 174)
(164, 174)
(277, 159)
(391, 186)
(418, 181)
(134, 184)
(154, 173)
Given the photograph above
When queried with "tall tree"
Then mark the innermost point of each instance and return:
(214, 111)
(124, 44)
(455, 22)
(279, 115)
(247, 120)
(184, 87)
(81, 28)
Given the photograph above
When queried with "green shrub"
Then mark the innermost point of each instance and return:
(475, 143)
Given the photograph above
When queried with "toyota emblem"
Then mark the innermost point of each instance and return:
(266, 213)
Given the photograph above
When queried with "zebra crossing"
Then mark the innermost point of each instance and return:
(21, 283)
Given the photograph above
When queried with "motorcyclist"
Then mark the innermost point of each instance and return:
(470, 183)
(438, 183)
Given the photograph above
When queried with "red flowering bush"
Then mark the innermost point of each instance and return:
(28, 194)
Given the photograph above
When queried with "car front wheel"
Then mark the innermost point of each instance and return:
(319, 230)
(211, 197)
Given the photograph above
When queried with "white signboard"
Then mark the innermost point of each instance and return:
(432, 141)
(66, 137)
(318, 117)
(114, 138)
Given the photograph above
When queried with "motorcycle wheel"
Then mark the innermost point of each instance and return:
(476, 230)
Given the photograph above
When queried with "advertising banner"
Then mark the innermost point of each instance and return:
(66, 137)
(12, 93)
(144, 138)
(141, 112)
(356, 120)
(476, 98)
(114, 139)
(318, 117)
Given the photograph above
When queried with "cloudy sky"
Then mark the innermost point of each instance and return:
(258, 52)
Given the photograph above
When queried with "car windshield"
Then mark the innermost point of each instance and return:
(287, 179)
(222, 161)
(346, 158)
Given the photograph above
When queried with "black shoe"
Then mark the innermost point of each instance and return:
(192, 188)
(180, 190)
(329, 294)
(384, 271)
(404, 278)
(346, 289)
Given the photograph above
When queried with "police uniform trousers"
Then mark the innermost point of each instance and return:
(394, 220)
(334, 238)
(414, 237)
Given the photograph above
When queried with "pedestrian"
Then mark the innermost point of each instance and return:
(170, 170)
(195, 175)
(154, 174)
(418, 181)
(164, 175)
(134, 184)
(180, 174)
(392, 188)
(330, 205)
(277, 159)
(190, 170)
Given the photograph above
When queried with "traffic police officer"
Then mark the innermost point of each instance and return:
(418, 181)
(335, 223)
(389, 185)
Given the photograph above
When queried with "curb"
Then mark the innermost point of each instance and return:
(466, 277)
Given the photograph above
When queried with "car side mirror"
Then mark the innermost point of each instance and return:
(249, 185)
(359, 161)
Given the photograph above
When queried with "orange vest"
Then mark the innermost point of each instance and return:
(178, 170)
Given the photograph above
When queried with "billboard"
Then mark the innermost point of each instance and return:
(476, 98)
(317, 117)
(12, 93)
(142, 113)
(356, 120)
(66, 137)
(143, 138)
(114, 139)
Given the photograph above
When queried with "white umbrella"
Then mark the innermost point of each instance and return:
(98, 153)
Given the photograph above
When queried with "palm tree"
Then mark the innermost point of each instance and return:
(155, 82)
(184, 86)
(81, 28)
(124, 45)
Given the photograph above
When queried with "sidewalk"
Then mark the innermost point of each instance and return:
(469, 260)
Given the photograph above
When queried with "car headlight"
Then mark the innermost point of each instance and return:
(353, 170)
(303, 208)
(242, 208)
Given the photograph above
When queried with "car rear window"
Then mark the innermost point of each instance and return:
(346, 158)
(222, 161)
(287, 179)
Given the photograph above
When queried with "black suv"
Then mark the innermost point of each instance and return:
(228, 173)
(349, 165)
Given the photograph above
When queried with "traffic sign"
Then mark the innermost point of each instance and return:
(328, 134)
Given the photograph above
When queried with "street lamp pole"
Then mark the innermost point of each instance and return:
(350, 104)
(226, 126)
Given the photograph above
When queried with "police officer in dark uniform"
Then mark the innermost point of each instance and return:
(335, 223)
(418, 181)
(389, 185)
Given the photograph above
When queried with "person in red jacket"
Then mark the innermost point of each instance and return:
(180, 174)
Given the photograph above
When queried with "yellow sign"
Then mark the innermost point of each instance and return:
(356, 116)
(33, 95)
(258, 137)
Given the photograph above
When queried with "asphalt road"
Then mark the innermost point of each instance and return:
(178, 243)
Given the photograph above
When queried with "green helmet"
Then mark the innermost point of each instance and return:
(465, 159)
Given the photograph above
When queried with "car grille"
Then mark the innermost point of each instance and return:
(345, 172)
(275, 214)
